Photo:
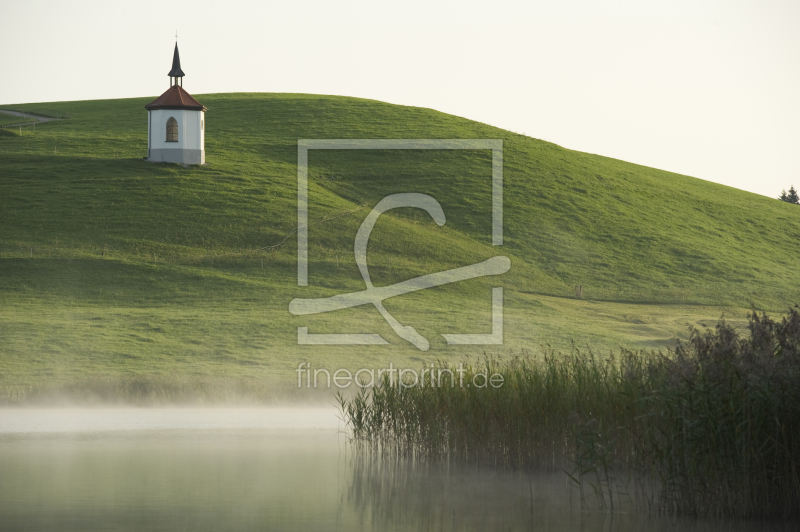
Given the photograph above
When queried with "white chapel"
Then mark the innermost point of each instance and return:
(176, 123)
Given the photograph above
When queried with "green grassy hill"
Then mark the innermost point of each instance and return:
(114, 266)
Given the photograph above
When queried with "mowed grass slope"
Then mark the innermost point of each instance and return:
(110, 265)
(7, 118)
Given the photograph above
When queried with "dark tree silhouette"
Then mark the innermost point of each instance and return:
(790, 197)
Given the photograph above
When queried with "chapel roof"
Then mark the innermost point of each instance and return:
(176, 98)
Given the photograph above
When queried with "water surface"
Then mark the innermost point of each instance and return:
(263, 469)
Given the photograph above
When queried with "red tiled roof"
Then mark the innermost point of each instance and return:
(176, 98)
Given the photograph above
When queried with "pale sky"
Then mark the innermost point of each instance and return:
(710, 89)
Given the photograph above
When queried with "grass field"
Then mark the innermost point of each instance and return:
(111, 266)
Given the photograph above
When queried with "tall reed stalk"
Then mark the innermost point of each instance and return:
(709, 428)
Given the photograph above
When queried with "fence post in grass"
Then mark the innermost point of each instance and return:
(579, 291)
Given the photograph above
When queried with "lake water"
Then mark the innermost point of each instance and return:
(263, 469)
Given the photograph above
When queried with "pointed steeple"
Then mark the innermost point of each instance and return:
(176, 71)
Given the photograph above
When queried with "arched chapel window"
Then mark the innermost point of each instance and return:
(172, 130)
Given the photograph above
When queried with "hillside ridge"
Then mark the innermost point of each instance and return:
(92, 229)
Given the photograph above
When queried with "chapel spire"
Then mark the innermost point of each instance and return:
(176, 71)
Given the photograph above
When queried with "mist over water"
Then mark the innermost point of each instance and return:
(263, 469)
(88, 420)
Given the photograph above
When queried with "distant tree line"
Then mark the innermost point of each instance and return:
(790, 197)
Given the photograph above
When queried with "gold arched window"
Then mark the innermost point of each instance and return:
(172, 130)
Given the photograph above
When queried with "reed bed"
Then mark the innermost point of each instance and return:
(710, 428)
